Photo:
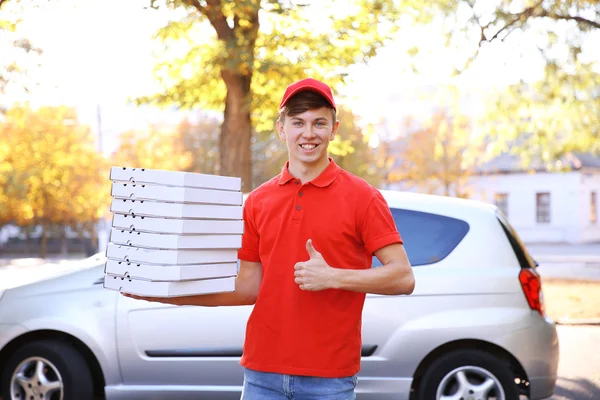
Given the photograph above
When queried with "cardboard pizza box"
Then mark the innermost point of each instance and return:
(170, 273)
(175, 210)
(138, 191)
(170, 257)
(177, 226)
(169, 289)
(167, 241)
(175, 178)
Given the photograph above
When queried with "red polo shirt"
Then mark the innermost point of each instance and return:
(296, 332)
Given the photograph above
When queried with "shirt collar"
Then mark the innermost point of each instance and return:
(326, 177)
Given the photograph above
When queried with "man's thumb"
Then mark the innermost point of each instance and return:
(311, 249)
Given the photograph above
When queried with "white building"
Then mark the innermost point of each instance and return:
(543, 206)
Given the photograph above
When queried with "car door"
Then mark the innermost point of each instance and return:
(180, 345)
(428, 239)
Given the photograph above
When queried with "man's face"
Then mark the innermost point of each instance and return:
(307, 135)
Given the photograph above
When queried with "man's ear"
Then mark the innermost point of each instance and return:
(279, 127)
(334, 130)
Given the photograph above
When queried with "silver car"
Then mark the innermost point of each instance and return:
(474, 328)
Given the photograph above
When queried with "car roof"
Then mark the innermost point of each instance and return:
(444, 205)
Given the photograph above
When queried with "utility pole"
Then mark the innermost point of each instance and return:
(99, 121)
(99, 234)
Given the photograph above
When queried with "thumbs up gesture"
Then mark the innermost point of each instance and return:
(314, 274)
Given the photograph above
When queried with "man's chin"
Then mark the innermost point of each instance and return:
(310, 159)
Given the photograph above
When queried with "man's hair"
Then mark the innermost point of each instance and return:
(303, 102)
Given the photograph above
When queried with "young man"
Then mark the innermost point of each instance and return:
(305, 262)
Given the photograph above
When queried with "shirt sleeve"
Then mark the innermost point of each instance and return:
(250, 237)
(378, 228)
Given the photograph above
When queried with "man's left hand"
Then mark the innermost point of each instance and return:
(314, 274)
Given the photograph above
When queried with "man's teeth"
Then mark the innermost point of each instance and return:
(308, 146)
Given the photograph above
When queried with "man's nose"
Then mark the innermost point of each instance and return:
(309, 132)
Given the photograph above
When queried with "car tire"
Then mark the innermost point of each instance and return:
(472, 367)
(60, 363)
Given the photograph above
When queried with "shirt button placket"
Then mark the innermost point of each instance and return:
(298, 206)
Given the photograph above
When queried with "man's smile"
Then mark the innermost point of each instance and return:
(308, 146)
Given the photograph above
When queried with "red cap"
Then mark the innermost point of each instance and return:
(308, 84)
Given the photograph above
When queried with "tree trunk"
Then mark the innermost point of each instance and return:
(240, 40)
(236, 131)
(27, 241)
(92, 248)
(44, 242)
(64, 245)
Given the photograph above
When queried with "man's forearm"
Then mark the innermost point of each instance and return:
(214, 300)
(247, 284)
(390, 279)
(245, 293)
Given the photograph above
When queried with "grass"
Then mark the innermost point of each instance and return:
(571, 299)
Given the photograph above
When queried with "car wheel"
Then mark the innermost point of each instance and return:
(468, 374)
(47, 370)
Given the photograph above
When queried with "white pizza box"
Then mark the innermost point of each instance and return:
(175, 178)
(170, 273)
(177, 226)
(167, 241)
(131, 191)
(169, 289)
(175, 210)
(170, 257)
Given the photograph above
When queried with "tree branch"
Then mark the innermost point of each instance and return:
(580, 20)
(236, 21)
(482, 37)
(522, 16)
(214, 12)
(537, 11)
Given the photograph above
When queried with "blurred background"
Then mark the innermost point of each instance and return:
(495, 100)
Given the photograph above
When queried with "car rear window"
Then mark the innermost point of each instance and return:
(428, 238)
(525, 259)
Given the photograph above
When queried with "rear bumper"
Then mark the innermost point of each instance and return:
(542, 356)
(542, 387)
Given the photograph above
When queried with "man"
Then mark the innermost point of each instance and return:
(309, 237)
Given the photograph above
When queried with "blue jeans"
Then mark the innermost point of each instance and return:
(270, 386)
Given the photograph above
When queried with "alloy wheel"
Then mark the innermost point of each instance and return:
(36, 378)
(470, 383)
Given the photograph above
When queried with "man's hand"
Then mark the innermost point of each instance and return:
(163, 300)
(314, 274)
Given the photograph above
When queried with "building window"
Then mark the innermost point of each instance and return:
(593, 208)
(542, 205)
(501, 200)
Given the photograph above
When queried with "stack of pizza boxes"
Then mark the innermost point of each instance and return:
(173, 233)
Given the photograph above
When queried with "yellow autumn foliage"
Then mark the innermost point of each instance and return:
(50, 171)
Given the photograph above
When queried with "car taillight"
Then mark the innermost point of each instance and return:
(532, 287)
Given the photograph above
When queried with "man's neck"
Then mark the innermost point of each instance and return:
(307, 172)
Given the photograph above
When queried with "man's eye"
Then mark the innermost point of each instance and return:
(297, 123)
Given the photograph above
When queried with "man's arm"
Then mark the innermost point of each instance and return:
(247, 284)
(394, 277)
